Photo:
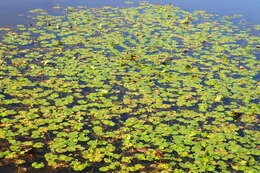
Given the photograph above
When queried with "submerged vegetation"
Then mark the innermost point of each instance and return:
(149, 88)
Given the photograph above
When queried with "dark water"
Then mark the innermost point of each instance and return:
(10, 10)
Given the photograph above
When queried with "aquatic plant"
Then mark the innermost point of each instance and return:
(145, 88)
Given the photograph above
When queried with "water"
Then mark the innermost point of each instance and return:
(11, 10)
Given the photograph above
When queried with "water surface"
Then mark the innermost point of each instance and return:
(150, 86)
(11, 10)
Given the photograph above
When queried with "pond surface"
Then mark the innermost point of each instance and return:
(129, 88)
(11, 9)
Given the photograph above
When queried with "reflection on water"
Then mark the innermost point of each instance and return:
(11, 9)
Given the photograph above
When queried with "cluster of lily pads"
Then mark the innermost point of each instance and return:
(151, 88)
